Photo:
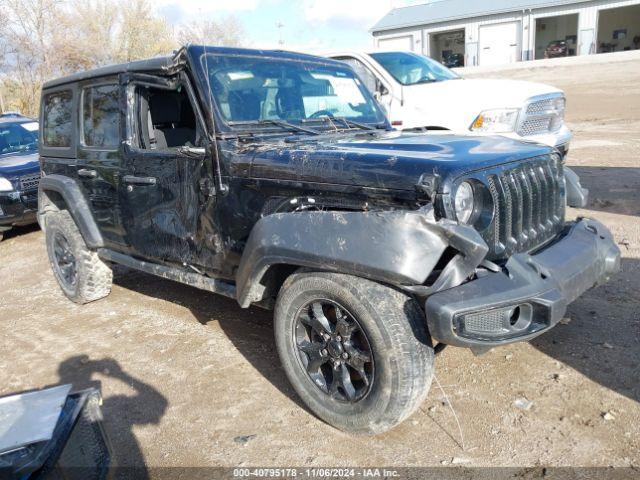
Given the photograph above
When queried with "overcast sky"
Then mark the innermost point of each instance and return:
(307, 24)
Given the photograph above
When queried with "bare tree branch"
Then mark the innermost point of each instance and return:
(44, 39)
(227, 32)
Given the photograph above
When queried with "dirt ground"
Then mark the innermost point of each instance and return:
(189, 378)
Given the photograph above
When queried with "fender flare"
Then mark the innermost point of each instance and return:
(392, 247)
(75, 203)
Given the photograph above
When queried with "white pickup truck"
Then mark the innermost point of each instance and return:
(419, 92)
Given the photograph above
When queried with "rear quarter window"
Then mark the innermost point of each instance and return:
(58, 119)
(101, 116)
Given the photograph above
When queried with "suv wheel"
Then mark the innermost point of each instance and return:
(82, 276)
(356, 352)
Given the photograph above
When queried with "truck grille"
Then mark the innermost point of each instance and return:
(29, 182)
(543, 116)
(528, 206)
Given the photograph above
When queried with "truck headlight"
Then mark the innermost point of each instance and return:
(501, 120)
(557, 120)
(5, 185)
(464, 202)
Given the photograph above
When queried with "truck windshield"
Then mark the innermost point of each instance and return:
(18, 137)
(413, 69)
(263, 91)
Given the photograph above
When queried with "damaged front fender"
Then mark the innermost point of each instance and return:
(395, 247)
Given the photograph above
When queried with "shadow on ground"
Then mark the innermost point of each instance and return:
(611, 189)
(121, 412)
(17, 232)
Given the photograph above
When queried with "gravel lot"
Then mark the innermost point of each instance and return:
(189, 378)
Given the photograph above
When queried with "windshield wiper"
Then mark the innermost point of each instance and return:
(278, 123)
(346, 121)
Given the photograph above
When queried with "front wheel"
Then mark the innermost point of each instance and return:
(356, 352)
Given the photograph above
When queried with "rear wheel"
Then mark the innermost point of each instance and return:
(81, 274)
(356, 352)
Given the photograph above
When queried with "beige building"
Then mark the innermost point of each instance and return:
(494, 32)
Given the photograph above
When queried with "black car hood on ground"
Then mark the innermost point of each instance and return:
(391, 160)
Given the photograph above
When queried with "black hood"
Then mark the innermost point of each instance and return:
(13, 165)
(391, 160)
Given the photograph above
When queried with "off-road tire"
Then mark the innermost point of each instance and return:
(94, 277)
(396, 330)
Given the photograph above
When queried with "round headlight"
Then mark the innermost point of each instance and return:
(5, 185)
(464, 202)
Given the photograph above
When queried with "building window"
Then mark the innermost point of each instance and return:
(101, 116)
(58, 119)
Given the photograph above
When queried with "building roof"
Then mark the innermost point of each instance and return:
(448, 10)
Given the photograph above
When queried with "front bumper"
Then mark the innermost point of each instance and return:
(18, 208)
(577, 196)
(529, 296)
(559, 139)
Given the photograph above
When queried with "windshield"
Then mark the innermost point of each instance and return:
(18, 137)
(272, 91)
(412, 69)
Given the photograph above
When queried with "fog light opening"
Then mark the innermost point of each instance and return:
(520, 317)
(515, 316)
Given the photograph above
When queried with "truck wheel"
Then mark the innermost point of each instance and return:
(82, 276)
(357, 352)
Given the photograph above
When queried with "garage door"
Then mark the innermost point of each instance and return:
(499, 44)
(396, 43)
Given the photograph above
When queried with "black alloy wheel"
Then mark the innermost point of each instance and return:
(65, 261)
(334, 350)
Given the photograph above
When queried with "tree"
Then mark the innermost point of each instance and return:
(44, 39)
(30, 41)
(91, 27)
(142, 34)
(227, 32)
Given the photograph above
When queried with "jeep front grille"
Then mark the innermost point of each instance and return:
(543, 115)
(528, 206)
(29, 182)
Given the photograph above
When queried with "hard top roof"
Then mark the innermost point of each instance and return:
(163, 63)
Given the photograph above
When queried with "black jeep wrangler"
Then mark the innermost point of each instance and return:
(274, 178)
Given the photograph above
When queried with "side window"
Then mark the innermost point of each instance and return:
(166, 119)
(58, 120)
(369, 79)
(101, 116)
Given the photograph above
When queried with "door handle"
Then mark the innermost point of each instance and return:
(83, 172)
(140, 180)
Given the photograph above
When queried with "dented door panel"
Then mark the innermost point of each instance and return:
(159, 193)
